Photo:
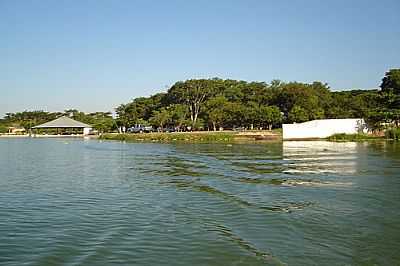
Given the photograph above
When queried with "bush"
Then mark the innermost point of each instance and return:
(171, 137)
(351, 137)
(3, 129)
(393, 133)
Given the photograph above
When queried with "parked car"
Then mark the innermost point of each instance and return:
(169, 129)
(239, 128)
(140, 129)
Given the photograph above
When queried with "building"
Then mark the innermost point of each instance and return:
(16, 130)
(323, 128)
(63, 124)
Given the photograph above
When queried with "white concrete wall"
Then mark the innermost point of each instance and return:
(322, 128)
(86, 130)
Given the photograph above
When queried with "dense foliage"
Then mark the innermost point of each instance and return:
(216, 103)
(101, 121)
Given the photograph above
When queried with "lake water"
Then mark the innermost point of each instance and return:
(77, 202)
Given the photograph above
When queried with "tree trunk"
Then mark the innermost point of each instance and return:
(270, 127)
(195, 119)
(191, 114)
(214, 126)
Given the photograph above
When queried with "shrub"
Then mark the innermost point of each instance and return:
(393, 133)
(351, 137)
(3, 129)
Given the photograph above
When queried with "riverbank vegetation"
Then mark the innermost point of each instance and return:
(393, 133)
(214, 104)
(199, 136)
(179, 137)
(353, 137)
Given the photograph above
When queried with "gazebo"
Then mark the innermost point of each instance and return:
(64, 123)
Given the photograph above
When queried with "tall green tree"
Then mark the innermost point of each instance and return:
(160, 118)
(271, 115)
(215, 111)
(391, 81)
(178, 115)
(193, 93)
(298, 114)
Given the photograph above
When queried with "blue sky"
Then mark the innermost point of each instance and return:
(94, 55)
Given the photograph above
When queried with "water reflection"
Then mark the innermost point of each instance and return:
(320, 157)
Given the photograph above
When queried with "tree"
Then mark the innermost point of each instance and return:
(271, 115)
(215, 110)
(102, 121)
(251, 113)
(235, 114)
(298, 114)
(193, 93)
(375, 120)
(160, 118)
(391, 81)
(313, 98)
(178, 115)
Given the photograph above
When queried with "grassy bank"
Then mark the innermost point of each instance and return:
(211, 137)
(353, 137)
(389, 134)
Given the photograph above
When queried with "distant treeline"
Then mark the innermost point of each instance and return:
(214, 103)
(102, 121)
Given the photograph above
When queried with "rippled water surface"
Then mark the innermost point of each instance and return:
(76, 202)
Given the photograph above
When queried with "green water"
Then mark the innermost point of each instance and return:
(77, 202)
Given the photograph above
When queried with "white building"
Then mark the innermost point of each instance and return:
(322, 128)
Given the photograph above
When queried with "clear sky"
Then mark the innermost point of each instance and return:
(94, 55)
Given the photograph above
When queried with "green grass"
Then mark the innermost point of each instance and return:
(277, 131)
(172, 137)
(204, 136)
(352, 137)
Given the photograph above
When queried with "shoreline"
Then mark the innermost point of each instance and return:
(203, 137)
(47, 136)
(197, 136)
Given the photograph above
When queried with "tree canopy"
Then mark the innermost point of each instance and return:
(226, 103)
(217, 103)
(391, 81)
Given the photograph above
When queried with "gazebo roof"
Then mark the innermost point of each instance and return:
(63, 122)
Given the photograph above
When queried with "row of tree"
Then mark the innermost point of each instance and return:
(102, 121)
(217, 103)
(214, 103)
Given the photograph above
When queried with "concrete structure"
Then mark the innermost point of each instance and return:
(323, 128)
(16, 130)
(65, 123)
